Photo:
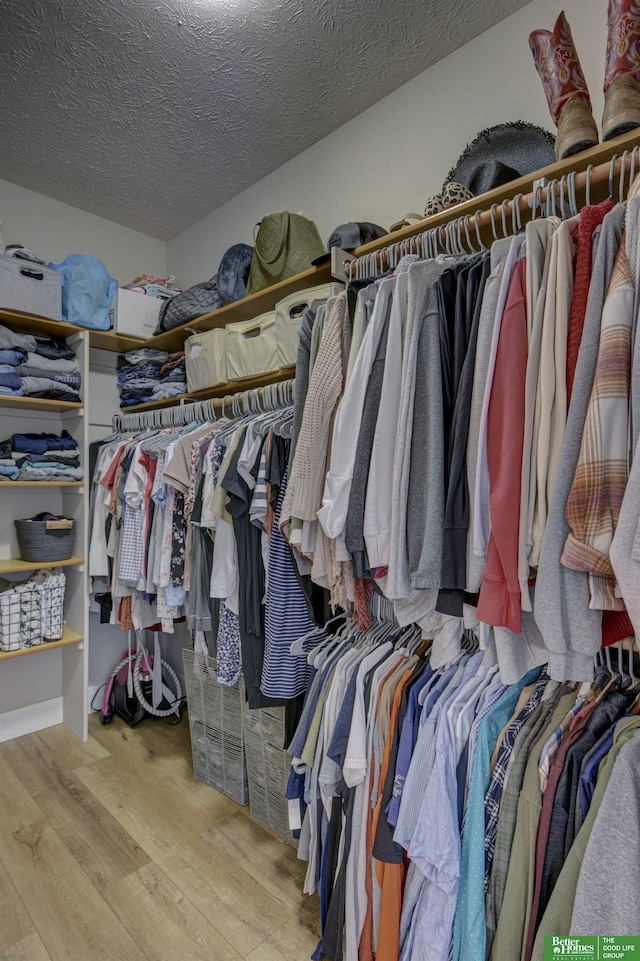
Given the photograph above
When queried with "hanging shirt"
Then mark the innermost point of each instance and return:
(470, 933)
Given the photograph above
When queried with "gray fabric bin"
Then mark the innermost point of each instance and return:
(30, 288)
(42, 542)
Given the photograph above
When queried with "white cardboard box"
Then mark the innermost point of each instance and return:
(136, 314)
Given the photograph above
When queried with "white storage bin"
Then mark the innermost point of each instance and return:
(289, 314)
(252, 347)
(136, 314)
(206, 359)
(31, 288)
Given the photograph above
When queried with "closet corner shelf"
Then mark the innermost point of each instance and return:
(13, 565)
(69, 637)
(41, 483)
(38, 403)
(233, 387)
(111, 340)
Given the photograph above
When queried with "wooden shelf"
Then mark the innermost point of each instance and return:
(13, 565)
(68, 638)
(599, 154)
(222, 390)
(38, 403)
(245, 309)
(110, 340)
(32, 324)
(19, 483)
(265, 300)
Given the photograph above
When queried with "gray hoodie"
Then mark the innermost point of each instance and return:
(572, 632)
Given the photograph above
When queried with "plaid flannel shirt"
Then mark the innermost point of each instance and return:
(494, 791)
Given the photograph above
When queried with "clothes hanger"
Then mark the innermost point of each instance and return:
(634, 160)
(493, 222)
(476, 218)
(551, 199)
(573, 200)
(428, 242)
(296, 647)
(587, 186)
(635, 681)
(613, 677)
(453, 239)
(563, 208)
(516, 214)
(625, 679)
(612, 171)
(623, 165)
(319, 655)
(447, 239)
(503, 212)
(472, 249)
(537, 198)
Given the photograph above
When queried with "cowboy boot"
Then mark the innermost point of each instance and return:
(557, 63)
(622, 69)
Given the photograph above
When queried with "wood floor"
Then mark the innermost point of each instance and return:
(113, 850)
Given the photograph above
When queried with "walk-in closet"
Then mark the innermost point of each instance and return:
(319, 480)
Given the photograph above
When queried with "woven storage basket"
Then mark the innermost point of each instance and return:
(215, 722)
(21, 616)
(41, 542)
(52, 589)
(268, 767)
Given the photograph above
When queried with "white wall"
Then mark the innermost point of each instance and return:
(390, 158)
(53, 229)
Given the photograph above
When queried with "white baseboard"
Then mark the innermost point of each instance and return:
(34, 717)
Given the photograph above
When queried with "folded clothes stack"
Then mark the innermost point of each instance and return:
(38, 457)
(161, 287)
(38, 366)
(173, 378)
(146, 375)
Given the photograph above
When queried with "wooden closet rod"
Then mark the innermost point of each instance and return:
(451, 235)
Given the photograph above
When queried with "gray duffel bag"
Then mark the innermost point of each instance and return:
(191, 303)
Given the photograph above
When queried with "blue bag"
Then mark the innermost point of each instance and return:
(87, 291)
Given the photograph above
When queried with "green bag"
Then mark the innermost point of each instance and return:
(285, 245)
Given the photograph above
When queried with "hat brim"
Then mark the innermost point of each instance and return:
(325, 258)
(519, 145)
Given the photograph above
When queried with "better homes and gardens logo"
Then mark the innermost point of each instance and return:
(571, 948)
(591, 948)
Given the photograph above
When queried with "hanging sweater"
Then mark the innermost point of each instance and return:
(499, 602)
(539, 234)
(325, 388)
(590, 218)
(420, 303)
(499, 251)
(481, 516)
(594, 502)
(337, 486)
(571, 631)
(551, 397)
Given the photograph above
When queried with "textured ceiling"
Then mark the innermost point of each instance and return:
(152, 113)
